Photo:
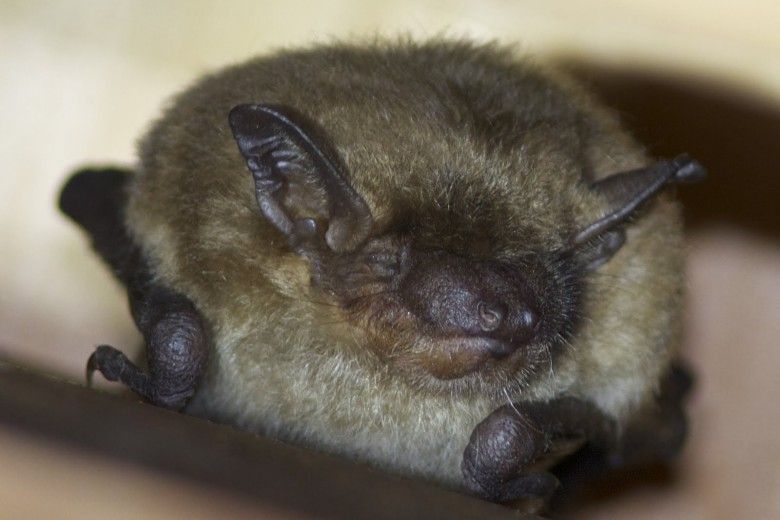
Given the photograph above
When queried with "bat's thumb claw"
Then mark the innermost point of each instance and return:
(688, 169)
(90, 369)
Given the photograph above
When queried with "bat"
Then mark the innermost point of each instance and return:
(438, 258)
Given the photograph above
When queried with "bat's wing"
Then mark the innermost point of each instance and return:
(506, 455)
(652, 438)
(174, 331)
(95, 199)
(502, 459)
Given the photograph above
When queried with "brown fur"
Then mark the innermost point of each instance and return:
(477, 151)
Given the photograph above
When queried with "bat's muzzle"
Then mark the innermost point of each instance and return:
(459, 297)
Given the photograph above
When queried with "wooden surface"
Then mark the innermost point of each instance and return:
(239, 470)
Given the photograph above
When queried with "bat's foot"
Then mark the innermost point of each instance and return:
(176, 343)
(534, 487)
(500, 449)
(539, 486)
(508, 451)
(115, 366)
(176, 338)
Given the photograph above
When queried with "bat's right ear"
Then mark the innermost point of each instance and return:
(625, 193)
(300, 183)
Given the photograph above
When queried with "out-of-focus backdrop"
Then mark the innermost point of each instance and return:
(81, 80)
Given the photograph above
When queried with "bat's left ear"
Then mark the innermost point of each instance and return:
(625, 193)
(300, 183)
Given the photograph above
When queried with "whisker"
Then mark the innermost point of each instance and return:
(523, 419)
(550, 361)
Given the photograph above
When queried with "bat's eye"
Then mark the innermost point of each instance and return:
(385, 258)
(384, 264)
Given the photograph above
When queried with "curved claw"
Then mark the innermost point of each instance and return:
(90, 369)
(688, 169)
(108, 361)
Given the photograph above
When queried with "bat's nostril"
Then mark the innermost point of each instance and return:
(491, 315)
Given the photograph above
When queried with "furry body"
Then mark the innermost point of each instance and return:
(476, 151)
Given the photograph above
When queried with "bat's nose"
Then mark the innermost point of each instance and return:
(507, 331)
(492, 317)
(461, 297)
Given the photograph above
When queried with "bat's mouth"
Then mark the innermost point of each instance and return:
(447, 360)
(454, 358)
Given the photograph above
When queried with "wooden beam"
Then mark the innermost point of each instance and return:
(268, 471)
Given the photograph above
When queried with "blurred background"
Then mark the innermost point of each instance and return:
(81, 80)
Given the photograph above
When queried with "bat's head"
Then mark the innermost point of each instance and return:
(430, 277)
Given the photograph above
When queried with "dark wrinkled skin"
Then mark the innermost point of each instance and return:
(174, 331)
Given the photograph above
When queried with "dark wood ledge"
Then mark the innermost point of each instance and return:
(263, 470)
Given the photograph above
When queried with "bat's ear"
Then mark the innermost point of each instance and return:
(625, 193)
(300, 184)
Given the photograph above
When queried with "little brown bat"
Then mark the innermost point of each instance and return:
(438, 258)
